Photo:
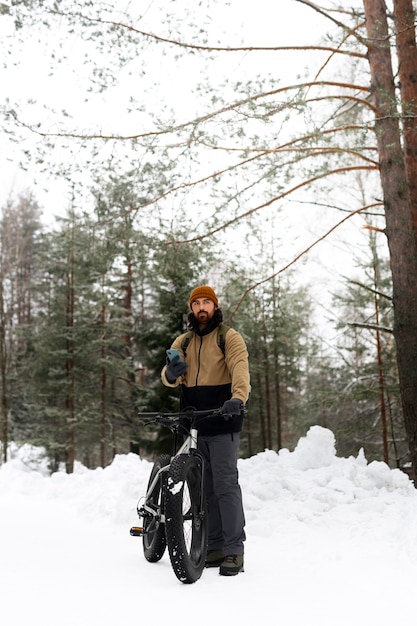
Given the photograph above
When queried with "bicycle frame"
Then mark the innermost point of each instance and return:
(189, 446)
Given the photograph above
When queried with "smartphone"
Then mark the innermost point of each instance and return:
(171, 354)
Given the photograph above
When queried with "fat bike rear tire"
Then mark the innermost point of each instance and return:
(186, 518)
(154, 540)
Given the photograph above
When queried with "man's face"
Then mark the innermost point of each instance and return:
(203, 309)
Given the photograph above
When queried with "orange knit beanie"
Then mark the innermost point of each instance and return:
(203, 292)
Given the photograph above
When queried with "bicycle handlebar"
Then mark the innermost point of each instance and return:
(173, 418)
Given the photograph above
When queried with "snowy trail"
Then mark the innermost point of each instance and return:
(331, 542)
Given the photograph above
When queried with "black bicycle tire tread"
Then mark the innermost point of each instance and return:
(186, 570)
(154, 545)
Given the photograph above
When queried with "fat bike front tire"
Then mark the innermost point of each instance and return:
(186, 518)
(154, 540)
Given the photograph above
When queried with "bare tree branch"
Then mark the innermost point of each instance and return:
(384, 329)
(299, 256)
(330, 57)
(326, 14)
(201, 48)
(374, 291)
(275, 199)
(284, 147)
(198, 120)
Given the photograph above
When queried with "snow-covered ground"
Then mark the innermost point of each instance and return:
(330, 542)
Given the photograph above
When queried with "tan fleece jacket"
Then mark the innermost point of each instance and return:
(207, 367)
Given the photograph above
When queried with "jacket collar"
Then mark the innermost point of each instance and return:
(212, 325)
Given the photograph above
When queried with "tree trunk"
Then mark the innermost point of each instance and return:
(69, 364)
(268, 433)
(3, 374)
(278, 416)
(381, 378)
(277, 377)
(103, 389)
(261, 412)
(407, 68)
(399, 228)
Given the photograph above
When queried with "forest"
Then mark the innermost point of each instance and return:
(192, 151)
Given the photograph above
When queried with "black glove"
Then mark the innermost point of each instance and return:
(232, 407)
(175, 368)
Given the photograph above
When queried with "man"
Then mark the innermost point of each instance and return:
(211, 378)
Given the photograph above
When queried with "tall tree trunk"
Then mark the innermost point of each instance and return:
(3, 373)
(128, 348)
(277, 378)
(407, 68)
(103, 386)
(381, 379)
(399, 227)
(268, 433)
(261, 411)
(277, 385)
(70, 365)
(128, 340)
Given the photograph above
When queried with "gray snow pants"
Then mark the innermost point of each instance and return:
(226, 519)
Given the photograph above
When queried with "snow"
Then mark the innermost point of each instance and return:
(330, 541)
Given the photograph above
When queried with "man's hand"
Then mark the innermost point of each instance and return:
(175, 368)
(232, 407)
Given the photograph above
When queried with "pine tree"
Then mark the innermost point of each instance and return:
(19, 248)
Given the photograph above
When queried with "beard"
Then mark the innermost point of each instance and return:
(194, 321)
(203, 317)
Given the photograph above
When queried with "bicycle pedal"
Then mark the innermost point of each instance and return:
(136, 531)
